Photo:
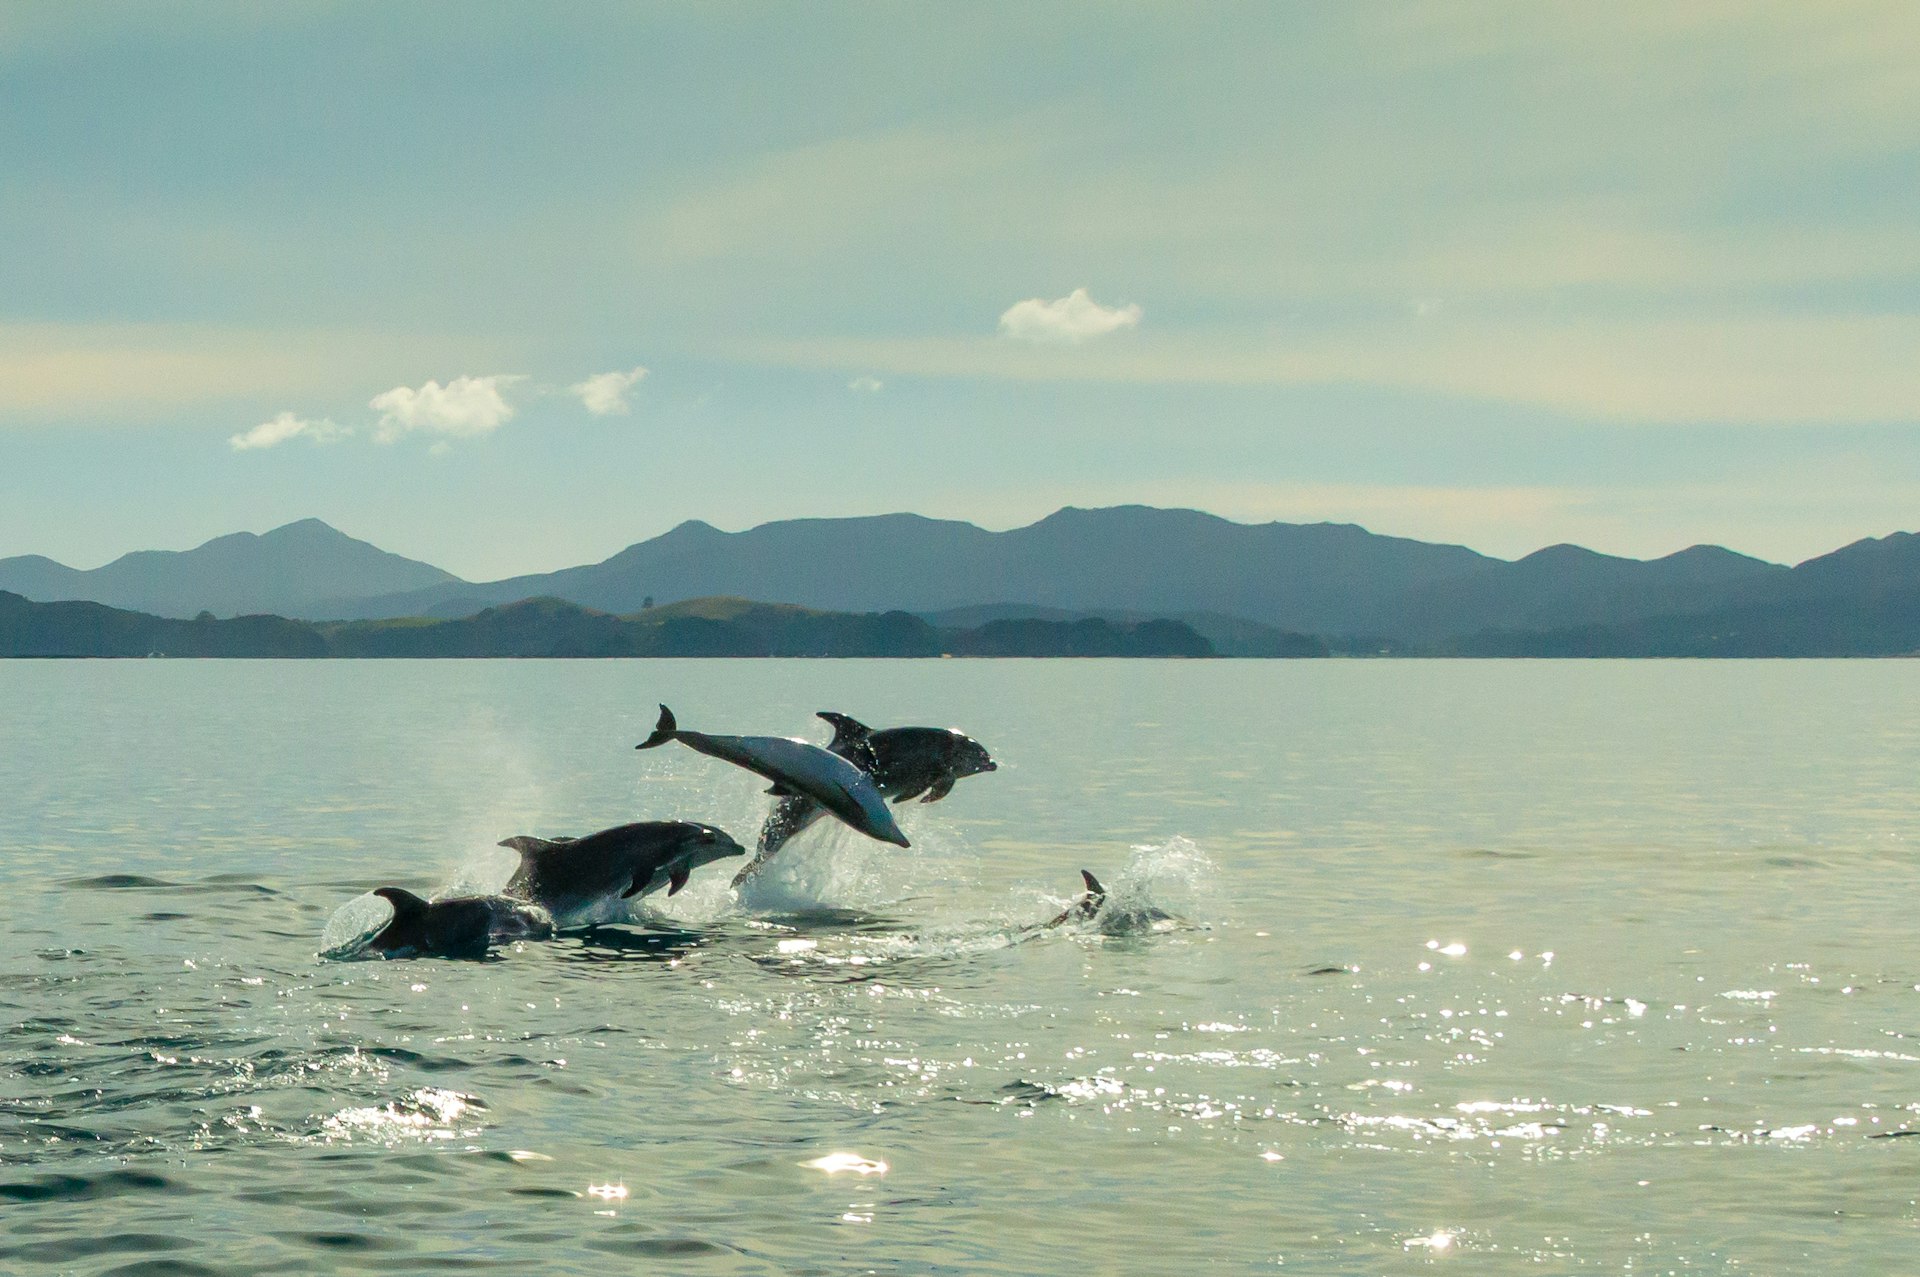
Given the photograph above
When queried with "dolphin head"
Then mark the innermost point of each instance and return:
(705, 844)
(970, 757)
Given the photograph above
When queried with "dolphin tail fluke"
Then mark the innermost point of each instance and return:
(662, 731)
(852, 740)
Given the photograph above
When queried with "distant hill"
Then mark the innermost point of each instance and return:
(1275, 589)
(1132, 561)
(1308, 578)
(555, 628)
(288, 571)
(94, 629)
(1229, 635)
(1860, 600)
(1564, 586)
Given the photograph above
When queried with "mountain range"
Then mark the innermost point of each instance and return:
(1237, 584)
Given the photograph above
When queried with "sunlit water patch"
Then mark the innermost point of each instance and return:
(1489, 967)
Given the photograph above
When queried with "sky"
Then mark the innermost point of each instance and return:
(507, 288)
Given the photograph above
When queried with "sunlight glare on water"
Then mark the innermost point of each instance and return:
(1504, 967)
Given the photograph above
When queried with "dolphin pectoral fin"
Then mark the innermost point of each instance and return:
(781, 791)
(678, 878)
(908, 796)
(941, 788)
(663, 730)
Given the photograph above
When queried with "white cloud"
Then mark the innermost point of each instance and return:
(605, 393)
(287, 426)
(866, 385)
(464, 408)
(1071, 319)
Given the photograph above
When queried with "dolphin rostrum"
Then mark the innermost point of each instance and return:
(457, 927)
(904, 762)
(796, 769)
(583, 880)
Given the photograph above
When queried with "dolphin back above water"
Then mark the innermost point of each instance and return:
(904, 762)
(584, 880)
(457, 927)
(797, 770)
(1086, 904)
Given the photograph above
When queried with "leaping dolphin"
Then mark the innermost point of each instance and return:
(457, 927)
(583, 880)
(904, 762)
(796, 769)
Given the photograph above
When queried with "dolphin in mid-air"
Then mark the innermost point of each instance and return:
(796, 769)
(583, 880)
(457, 927)
(904, 762)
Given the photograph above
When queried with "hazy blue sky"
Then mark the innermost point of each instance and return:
(1631, 274)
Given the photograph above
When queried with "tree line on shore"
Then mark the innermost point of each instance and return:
(555, 628)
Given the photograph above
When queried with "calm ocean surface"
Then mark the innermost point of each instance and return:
(1498, 967)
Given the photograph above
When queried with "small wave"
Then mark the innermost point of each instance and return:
(81, 1188)
(427, 1114)
(120, 882)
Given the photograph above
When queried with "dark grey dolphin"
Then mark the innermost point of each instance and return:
(797, 769)
(1125, 916)
(583, 880)
(904, 762)
(1085, 905)
(457, 927)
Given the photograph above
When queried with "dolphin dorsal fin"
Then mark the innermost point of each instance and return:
(405, 903)
(852, 740)
(1093, 883)
(528, 845)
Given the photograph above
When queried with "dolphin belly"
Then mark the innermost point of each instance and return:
(796, 768)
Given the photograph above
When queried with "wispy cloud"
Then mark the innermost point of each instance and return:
(464, 408)
(866, 384)
(287, 426)
(605, 393)
(1070, 320)
(1708, 369)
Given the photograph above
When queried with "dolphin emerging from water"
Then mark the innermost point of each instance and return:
(904, 762)
(457, 927)
(583, 880)
(1085, 905)
(797, 770)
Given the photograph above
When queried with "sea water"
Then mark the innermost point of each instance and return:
(1491, 967)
